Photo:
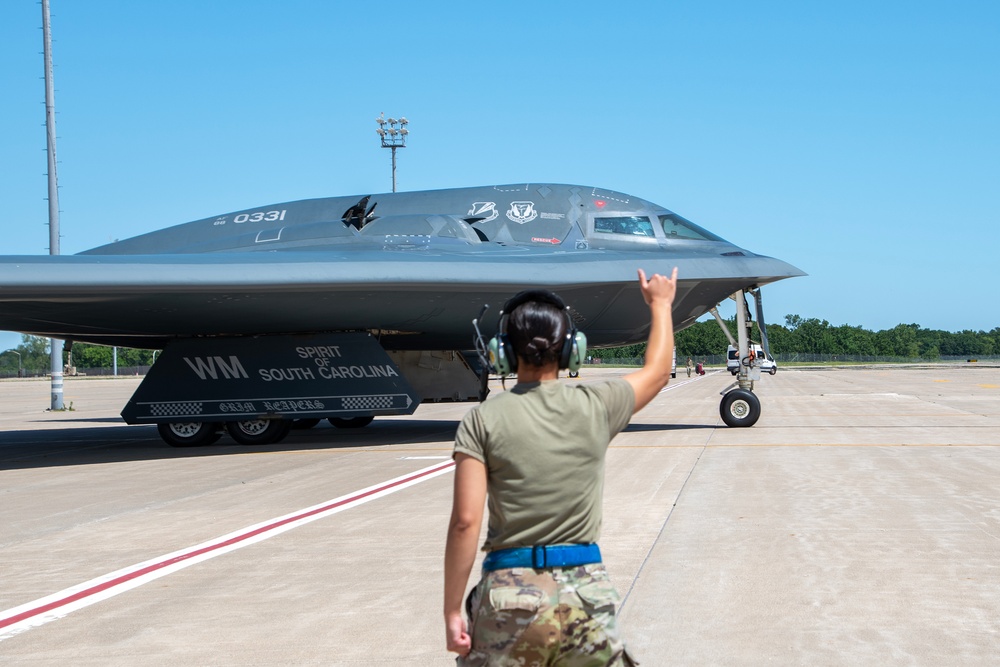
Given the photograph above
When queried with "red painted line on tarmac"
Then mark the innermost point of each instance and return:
(195, 552)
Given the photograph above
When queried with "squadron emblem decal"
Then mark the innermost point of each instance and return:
(522, 211)
(487, 210)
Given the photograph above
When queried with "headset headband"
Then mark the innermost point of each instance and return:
(502, 354)
(532, 295)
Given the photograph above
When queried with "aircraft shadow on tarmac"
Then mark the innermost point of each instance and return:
(643, 428)
(53, 447)
(87, 420)
(119, 442)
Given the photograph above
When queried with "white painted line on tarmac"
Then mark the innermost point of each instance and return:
(57, 605)
(675, 384)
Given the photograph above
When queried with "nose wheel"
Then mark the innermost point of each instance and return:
(739, 407)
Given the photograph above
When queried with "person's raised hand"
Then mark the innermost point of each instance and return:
(658, 288)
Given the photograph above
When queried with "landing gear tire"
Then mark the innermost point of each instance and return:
(351, 422)
(259, 431)
(740, 408)
(303, 424)
(189, 434)
(574, 374)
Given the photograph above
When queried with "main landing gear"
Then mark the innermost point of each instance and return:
(351, 422)
(251, 432)
(259, 431)
(740, 407)
(190, 434)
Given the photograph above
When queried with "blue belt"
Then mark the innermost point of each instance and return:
(541, 557)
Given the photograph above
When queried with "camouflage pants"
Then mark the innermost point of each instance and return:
(561, 617)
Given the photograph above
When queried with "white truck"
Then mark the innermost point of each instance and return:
(765, 361)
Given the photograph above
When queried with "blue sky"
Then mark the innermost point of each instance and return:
(859, 141)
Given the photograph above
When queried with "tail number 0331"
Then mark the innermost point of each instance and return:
(259, 216)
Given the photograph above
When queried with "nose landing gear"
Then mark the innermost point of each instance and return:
(740, 407)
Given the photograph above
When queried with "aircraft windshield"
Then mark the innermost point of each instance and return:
(630, 225)
(676, 227)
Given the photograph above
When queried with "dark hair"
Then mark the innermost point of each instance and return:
(537, 330)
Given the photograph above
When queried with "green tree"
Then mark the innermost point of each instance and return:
(91, 356)
(848, 340)
(969, 344)
(702, 339)
(812, 336)
(991, 342)
(900, 341)
(620, 352)
(930, 342)
(35, 360)
(9, 362)
(34, 354)
(86, 355)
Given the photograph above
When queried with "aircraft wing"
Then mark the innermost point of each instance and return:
(421, 298)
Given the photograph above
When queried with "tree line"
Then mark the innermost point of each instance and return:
(818, 337)
(34, 357)
(702, 339)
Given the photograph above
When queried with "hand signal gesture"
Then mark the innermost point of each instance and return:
(658, 289)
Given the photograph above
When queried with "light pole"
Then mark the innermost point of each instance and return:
(393, 134)
(18, 360)
(55, 345)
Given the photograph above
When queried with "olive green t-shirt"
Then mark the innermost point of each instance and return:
(543, 444)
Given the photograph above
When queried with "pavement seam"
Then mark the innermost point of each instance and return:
(663, 526)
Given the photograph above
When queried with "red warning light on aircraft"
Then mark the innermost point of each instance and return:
(599, 203)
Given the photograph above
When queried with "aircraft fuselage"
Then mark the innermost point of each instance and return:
(414, 271)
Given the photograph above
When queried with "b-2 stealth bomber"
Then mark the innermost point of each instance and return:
(346, 308)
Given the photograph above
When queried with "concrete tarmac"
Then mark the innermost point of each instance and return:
(858, 523)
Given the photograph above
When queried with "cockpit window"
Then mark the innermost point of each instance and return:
(630, 225)
(676, 227)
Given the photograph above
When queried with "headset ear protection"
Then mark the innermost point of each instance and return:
(501, 352)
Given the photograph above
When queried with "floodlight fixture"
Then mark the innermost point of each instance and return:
(393, 135)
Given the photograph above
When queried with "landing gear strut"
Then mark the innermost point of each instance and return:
(739, 406)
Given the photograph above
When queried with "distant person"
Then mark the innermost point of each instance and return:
(690, 366)
(537, 453)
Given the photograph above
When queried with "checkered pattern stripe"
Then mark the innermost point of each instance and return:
(367, 402)
(174, 409)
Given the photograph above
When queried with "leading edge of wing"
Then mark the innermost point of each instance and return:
(27, 276)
